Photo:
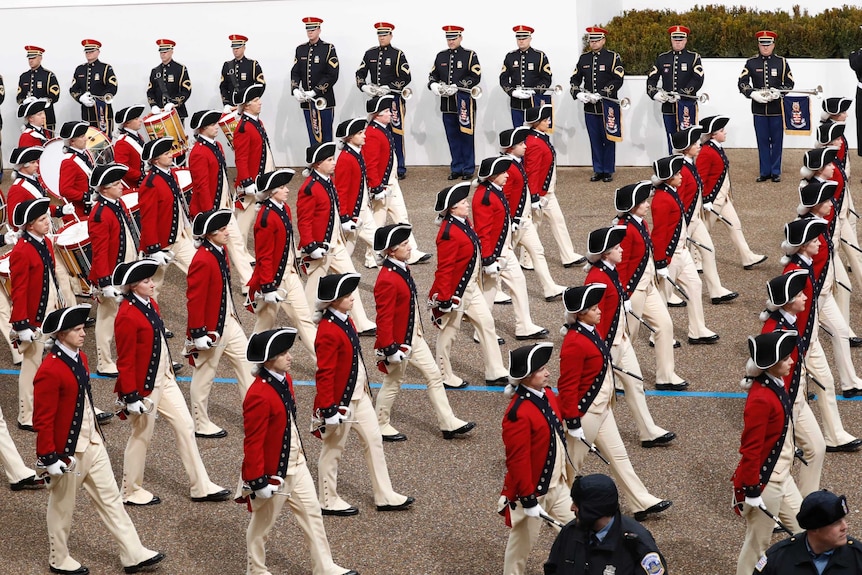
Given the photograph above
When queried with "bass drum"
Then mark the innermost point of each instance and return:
(49, 169)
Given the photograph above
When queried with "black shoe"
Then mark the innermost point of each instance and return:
(157, 558)
(725, 298)
(541, 334)
(395, 438)
(79, 571)
(222, 495)
(776, 179)
(761, 179)
(371, 332)
(154, 501)
(34, 482)
(90, 322)
(502, 381)
(680, 304)
(217, 435)
(555, 297)
(577, 262)
(111, 374)
(847, 393)
(596, 177)
(676, 344)
(856, 342)
(104, 417)
(681, 386)
(504, 302)
(349, 512)
(464, 384)
(467, 177)
(169, 334)
(657, 508)
(466, 428)
(423, 259)
(846, 447)
(23, 427)
(500, 340)
(663, 440)
(608, 178)
(454, 176)
(708, 340)
(177, 366)
(400, 507)
(402, 176)
(757, 263)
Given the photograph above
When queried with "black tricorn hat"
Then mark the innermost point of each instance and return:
(767, 349)
(269, 181)
(335, 286)
(389, 236)
(132, 272)
(448, 197)
(65, 318)
(529, 359)
(577, 299)
(628, 197)
(208, 222)
(268, 344)
(782, 289)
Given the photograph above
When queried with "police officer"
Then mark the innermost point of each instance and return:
(526, 75)
(170, 85)
(761, 80)
(389, 73)
(455, 70)
(681, 75)
(238, 74)
(313, 76)
(37, 82)
(94, 86)
(601, 72)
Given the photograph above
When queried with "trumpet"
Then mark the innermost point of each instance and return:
(556, 90)
(378, 90)
(703, 98)
(319, 103)
(818, 91)
(475, 92)
(624, 103)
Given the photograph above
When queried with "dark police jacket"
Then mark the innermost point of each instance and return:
(792, 556)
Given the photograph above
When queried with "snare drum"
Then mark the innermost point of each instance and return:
(168, 124)
(130, 200)
(5, 276)
(228, 124)
(100, 147)
(73, 245)
(184, 177)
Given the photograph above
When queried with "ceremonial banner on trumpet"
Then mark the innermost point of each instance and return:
(397, 122)
(686, 113)
(796, 111)
(466, 110)
(613, 120)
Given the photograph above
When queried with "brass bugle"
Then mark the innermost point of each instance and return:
(624, 103)
(814, 91)
(319, 103)
(702, 98)
(556, 90)
(475, 92)
(405, 92)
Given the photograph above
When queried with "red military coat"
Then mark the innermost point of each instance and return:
(636, 253)
(491, 214)
(160, 212)
(75, 183)
(207, 176)
(266, 417)
(456, 252)
(349, 183)
(139, 345)
(580, 363)
(206, 301)
(516, 190)
(57, 395)
(338, 366)
(31, 282)
(667, 218)
(378, 157)
(22, 190)
(249, 146)
(396, 308)
(610, 303)
(804, 317)
(713, 170)
(108, 240)
(32, 137)
(314, 210)
(690, 188)
(273, 247)
(127, 151)
(539, 163)
(764, 421)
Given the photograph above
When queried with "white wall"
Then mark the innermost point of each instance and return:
(128, 31)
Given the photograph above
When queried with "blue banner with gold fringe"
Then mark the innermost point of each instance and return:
(796, 111)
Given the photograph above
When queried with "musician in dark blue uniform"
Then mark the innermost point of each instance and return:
(455, 72)
(761, 80)
(598, 74)
(387, 71)
(313, 76)
(170, 85)
(681, 74)
(526, 75)
(94, 86)
(37, 82)
(239, 74)
(855, 59)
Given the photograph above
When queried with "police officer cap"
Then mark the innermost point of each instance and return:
(828, 131)
(335, 286)
(204, 118)
(628, 197)
(26, 110)
(128, 273)
(209, 222)
(107, 174)
(577, 299)
(817, 158)
(767, 349)
(529, 359)
(665, 168)
(601, 240)
(390, 236)
(319, 152)
(269, 181)
(29, 211)
(596, 496)
(802, 231)
(685, 138)
(821, 508)
(66, 318)
(250, 93)
(24, 155)
(379, 104)
(491, 167)
(834, 106)
(712, 124)
(782, 289)
(349, 127)
(268, 344)
(129, 114)
(155, 148)
(513, 137)
(73, 129)
(536, 114)
(448, 197)
(817, 192)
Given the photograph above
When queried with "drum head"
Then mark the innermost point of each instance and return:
(131, 201)
(99, 146)
(73, 234)
(184, 177)
(49, 166)
(4, 264)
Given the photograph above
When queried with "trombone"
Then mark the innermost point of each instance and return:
(703, 98)
(556, 90)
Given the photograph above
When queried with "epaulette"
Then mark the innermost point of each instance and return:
(264, 215)
(445, 235)
(512, 414)
(97, 216)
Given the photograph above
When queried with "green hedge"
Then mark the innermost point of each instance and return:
(728, 32)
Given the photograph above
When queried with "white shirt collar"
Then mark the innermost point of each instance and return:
(340, 315)
(38, 237)
(590, 328)
(459, 218)
(636, 218)
(715, 143)
(538, 392)
(791, 317)
(145, 301)
(397, 262)
(805, 258)
(322, 177)
(210, 140)
(252, 116)
(352, 147)
(67, 350)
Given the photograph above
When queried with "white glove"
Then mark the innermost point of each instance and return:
(57, 468)
(396, 357)
(162, 258)
(515, 224)
(662, 273)
(627, 305)
(11, 238)
(87, 99)
(110, 292)
(250, 189)
(227, 109)
(435, 88)
(492, 269)
(266, 491)
(317, 253)
(299, 95)
(577, 433)
(595, 98)
(673, 98)
(521, 94)
(661, 96)
(272, 297)
(348, 227)
(381, 195)
(335, 419)
(203, 342)
(759, 97)
(537, 206)
(368, 89)
(707, 207)
(155, 110)
(310, 94)
(583, 97)
(755, 501)
(68, 209)
(447, 307)
(169, 106)
(774, 94)
(533, 511)
(26, 335)
(136, 407)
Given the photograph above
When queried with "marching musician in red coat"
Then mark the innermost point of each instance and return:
(147, 386)
(210, 186)
(455, 292)
(252, 153)
(70, 446)
(605, 253)
(113, 236)
(762, 479)
(75, 169)
(276, 283)
(350, 181)
(165, 234)
(33, 133)
(400, 336)
(274, 461)
(129, 145)
(321, 231)
(586, 388)
(213, 323)
(343, 400)
(537, 480)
